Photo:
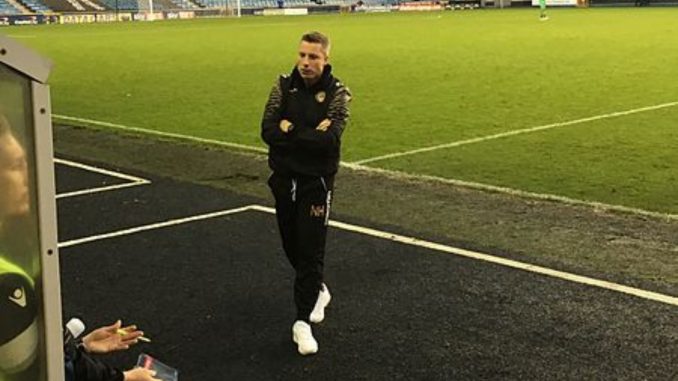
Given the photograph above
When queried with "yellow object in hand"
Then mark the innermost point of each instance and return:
(122, 332)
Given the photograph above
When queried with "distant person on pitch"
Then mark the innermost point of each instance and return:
(302, 124)
(542, 10)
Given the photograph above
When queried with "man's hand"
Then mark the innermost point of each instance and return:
(285, 126)
(140, 374)
(110, 338)
(324, 125)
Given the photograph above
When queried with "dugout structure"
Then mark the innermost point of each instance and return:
(31, 342)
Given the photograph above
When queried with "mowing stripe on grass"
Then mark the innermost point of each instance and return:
(662, 298)
(513, 133)
(403, 175)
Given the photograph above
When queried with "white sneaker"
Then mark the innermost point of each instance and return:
(302, 335)
(318, 313)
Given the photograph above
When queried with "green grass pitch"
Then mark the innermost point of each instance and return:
(418, 80)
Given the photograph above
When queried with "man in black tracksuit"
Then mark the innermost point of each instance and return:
(303, 121)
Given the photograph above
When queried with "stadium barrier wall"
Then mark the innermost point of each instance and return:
(28, 19)
(285, 12)
(420, 6)
(111, 16)
(99, 17)
(556, 3)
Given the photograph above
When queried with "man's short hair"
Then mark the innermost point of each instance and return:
(316, 37)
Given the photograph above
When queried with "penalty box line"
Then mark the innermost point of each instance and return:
(406, 240)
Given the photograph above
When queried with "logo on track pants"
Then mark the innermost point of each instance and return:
(317, 210)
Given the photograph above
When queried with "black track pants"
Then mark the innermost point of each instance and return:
(302, 207)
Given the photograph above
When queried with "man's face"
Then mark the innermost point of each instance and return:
(14, 196)
(312, 60)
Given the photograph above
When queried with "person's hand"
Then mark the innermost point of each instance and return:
(324, 125)
(285, 125)
(110, 338)
(140, 374)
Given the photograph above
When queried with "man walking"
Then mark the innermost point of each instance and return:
(302, 124)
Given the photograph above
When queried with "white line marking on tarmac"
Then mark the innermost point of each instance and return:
(497, 260)
(134, 180)
(513, 133)
(101, 189)
(662, 298)
(403, 175)
(101, 171)
(154, 226)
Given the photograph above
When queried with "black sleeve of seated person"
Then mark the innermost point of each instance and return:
(270, 122)
(91, 369)
(327, 140)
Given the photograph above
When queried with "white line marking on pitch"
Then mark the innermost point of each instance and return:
(512, 133)
(404, 175)
(159, 133)
(511, 191)
(134, 180)
(672, 300)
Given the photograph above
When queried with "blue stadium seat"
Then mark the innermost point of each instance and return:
(36, 6)
(123, 5)
(7, 9)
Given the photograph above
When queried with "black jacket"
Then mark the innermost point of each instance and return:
(81, 367)
(304, 150)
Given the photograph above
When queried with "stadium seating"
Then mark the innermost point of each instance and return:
(91, 4)
(8, 9)
(184, 4)
(34, 6)
(158, 5)
(254, 4)
(42, 6)
(69, 6)
(37, 6)
(287, 3)
(123, 5)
